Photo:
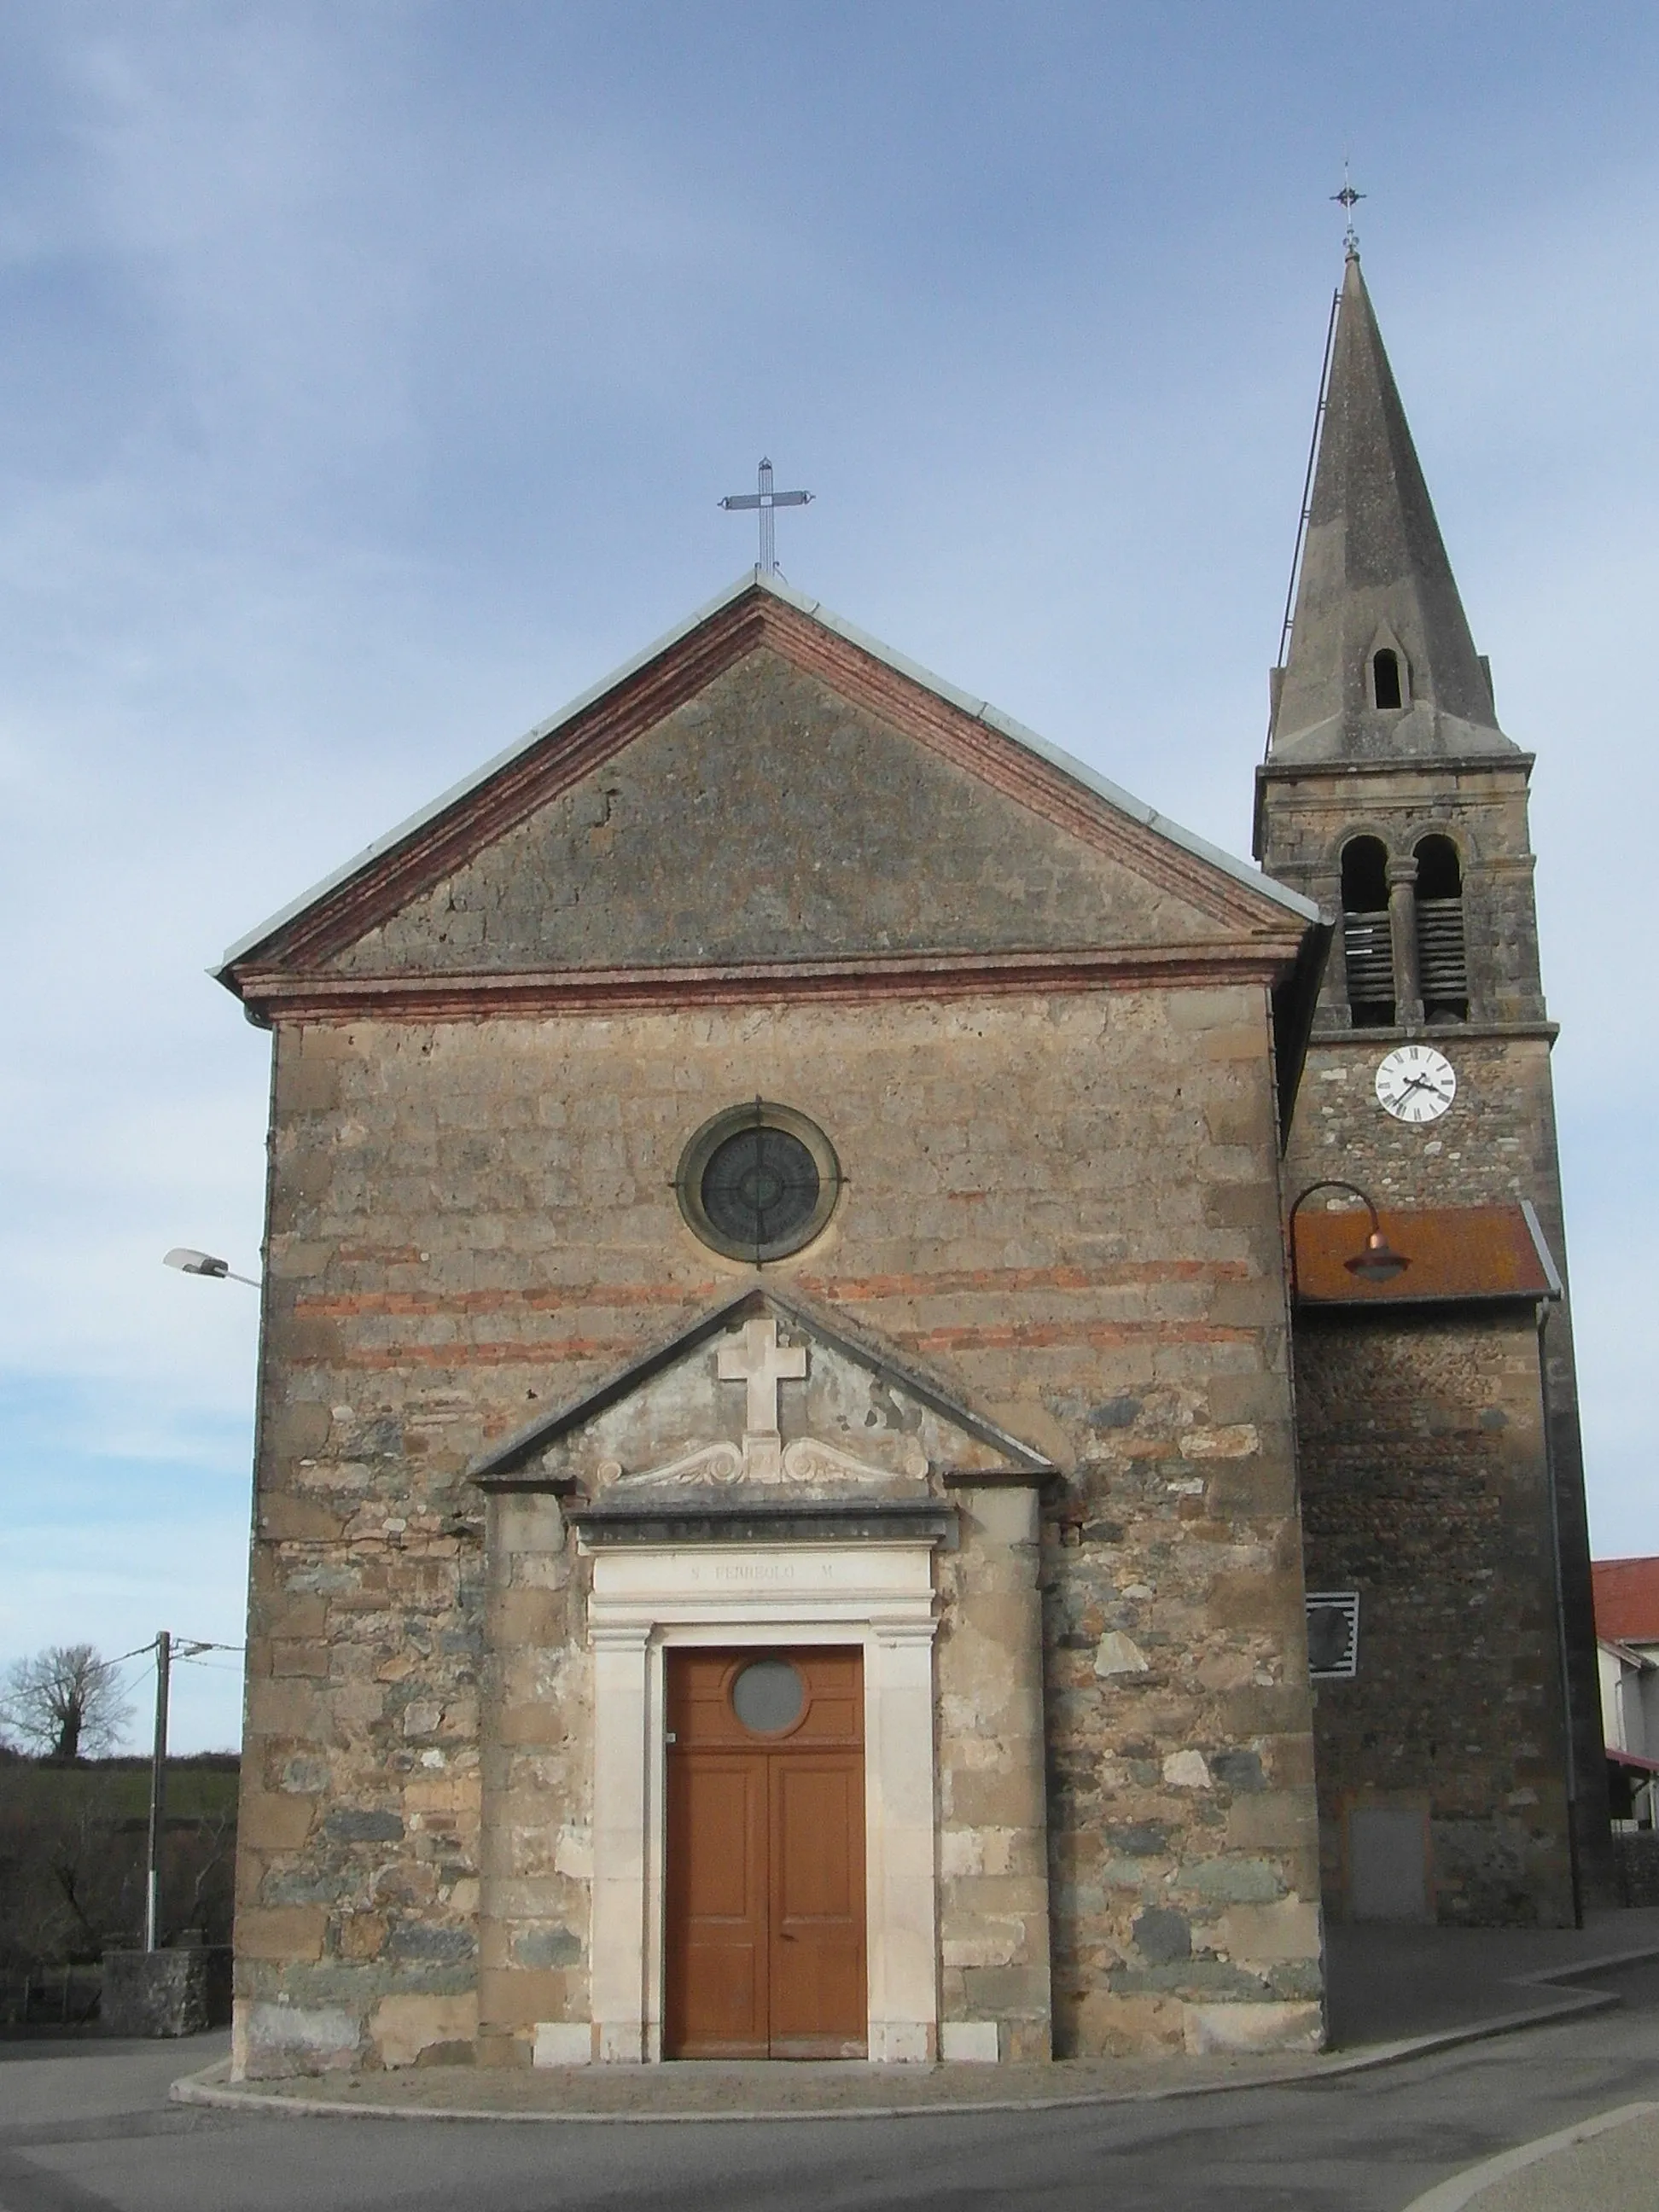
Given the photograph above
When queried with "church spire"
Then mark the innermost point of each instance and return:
(1382, 666)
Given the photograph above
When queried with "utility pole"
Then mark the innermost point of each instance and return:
(158, 1793)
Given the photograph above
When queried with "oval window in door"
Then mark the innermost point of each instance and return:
(768, 1696)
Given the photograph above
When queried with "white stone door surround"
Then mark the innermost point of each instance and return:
(875, 1593)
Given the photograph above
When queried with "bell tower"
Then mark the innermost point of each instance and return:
(1390, 794)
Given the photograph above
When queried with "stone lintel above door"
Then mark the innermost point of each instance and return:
(691, 1518)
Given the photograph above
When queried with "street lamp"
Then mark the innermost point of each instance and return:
(1378, 1262)
(190, 1262)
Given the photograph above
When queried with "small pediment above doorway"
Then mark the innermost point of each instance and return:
(763, 1406)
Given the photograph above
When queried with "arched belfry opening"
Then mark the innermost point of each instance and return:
(1441, 964)
(1367, 933)
(1387, 677)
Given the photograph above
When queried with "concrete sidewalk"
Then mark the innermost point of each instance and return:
(1610, 2162)
(1395, 1992)
(1389, 1983)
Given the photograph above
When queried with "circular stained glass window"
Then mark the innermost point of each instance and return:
(761, 1186)
(758, 1181)
(768, 1696)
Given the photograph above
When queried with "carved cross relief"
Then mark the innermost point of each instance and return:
(755, 1358)
(762, 1363)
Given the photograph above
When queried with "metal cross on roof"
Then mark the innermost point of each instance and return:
(1347, 199)
(766, 500)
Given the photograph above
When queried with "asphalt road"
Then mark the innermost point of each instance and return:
(88, 2129)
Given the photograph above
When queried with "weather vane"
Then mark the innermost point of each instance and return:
(767, 501)
(1347, 199)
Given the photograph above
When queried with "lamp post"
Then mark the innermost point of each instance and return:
(1378, 1262)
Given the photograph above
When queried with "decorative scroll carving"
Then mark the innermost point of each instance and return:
(722, 1465)
(715, 1464)
(808, 1460)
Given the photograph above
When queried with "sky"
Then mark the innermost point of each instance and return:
(368, 379)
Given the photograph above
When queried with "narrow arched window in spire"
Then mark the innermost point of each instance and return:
(1367, 933)
(1441, 965)
(1386, 690)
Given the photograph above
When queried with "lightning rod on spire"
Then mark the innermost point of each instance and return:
(1347, 199)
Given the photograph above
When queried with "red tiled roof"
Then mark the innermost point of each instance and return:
(1626, 1599)
(1455, 1252)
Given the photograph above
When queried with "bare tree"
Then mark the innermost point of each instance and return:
(65, 1702)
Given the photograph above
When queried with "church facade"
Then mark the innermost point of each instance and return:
(790, 1509)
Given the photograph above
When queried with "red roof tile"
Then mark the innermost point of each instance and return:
(1455, 1251)
(1626, 1599)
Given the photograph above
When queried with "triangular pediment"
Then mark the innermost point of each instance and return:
(768, 791)
(763, 1400)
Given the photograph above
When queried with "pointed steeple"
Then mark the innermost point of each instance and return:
(1382, 666)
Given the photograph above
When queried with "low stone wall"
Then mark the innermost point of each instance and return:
(165, 1993)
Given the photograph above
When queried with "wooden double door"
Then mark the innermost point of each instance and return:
(765, 1889)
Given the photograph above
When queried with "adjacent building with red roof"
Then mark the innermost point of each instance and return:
(1627, 1650)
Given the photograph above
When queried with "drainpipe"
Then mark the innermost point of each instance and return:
(1541, 1316)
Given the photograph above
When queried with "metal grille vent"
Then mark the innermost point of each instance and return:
(1332, 1635)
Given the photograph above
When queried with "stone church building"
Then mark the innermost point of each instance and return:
(821, 1487)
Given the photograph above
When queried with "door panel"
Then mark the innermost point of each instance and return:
(765, 1883)
(717, 1907)
(816, 1968)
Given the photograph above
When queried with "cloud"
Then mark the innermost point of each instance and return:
(370, 377)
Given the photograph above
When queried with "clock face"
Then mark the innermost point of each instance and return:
(1415, 1082)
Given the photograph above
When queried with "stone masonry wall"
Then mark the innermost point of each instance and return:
(538, 1781)
(1309, 816)
(1067, 1207)
(1424, 1488)
(993, 1818)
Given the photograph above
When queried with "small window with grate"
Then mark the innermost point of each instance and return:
(1387, 683)
(1441, 964)
(1367, 933)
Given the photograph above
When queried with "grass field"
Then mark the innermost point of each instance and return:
(72, 1855)
(118, 1788)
